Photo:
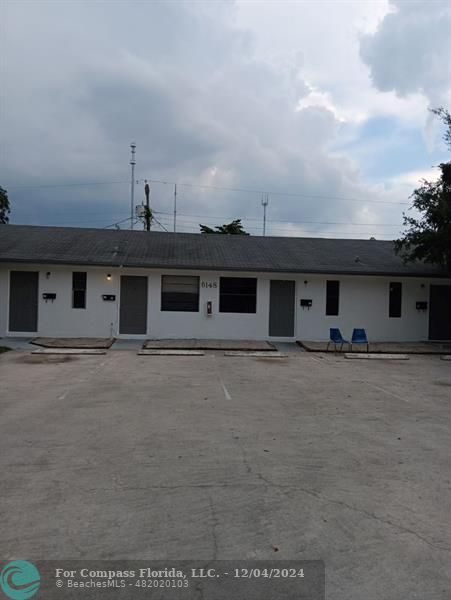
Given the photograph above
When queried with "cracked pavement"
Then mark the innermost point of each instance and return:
(213, 457)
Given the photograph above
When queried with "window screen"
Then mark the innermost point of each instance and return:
(394, 308)
(238, 294)
(180, 293)
(78, 289)
(332, 297)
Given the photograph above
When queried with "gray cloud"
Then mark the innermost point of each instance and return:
(124, 107)
(182, 81)
(411, 50)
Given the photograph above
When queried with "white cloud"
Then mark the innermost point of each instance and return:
(411, 179)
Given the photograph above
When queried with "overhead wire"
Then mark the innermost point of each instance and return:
(213, 187)
(287, 221)
(271, 193)
(190, 216)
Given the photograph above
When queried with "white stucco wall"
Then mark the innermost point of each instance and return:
(363, 303)
(58, 318)
(218, 325)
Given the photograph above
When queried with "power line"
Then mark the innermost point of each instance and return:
(192, 227)
(165, 224)
(117, 223)
(214, 187)
(95, 223)
(193, 218)
(190, 219)
(160, 224)
(288, 221)
(57, 185)
(190, 216)
(273, 193)
(96, 220)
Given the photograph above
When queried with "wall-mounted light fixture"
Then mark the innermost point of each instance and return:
(305, 282)
(108, 277)
(47, 275)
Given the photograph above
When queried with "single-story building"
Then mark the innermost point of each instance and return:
(61, 281)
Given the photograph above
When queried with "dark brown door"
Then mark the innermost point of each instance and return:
(23, 301)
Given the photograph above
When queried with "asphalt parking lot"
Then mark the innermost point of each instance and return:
(214, 457)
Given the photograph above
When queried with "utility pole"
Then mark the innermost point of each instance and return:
(132, 185)
(175, 207)
(265, 201)
(147, 214)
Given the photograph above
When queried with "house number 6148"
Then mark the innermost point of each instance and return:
(209, 284)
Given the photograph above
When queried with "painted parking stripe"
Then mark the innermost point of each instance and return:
(226, 391)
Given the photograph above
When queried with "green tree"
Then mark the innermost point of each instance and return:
(233, 228)
(428, 236)
(4, 206)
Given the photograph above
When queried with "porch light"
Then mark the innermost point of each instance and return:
(108, 277)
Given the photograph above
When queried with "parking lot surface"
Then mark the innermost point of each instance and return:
(213, 457)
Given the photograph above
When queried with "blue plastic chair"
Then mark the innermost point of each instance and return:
(359, 337)
(336, 338)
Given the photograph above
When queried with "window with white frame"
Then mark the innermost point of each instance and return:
(179, 293)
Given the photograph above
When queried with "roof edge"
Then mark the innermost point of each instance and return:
(230, 269)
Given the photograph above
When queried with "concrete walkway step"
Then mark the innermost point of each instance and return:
(370, 356)
(170, 352)
(69, 351)
(260, 354)
(190, 344)
(383, 347)
(73, 342)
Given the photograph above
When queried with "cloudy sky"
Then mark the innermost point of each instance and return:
(322, 104)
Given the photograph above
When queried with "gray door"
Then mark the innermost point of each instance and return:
(281, 308)
(133, 309)
(440, 312)
(23, 301)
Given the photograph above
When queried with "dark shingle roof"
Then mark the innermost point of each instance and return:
(68, 245)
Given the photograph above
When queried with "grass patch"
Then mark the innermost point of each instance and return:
(4, 349)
